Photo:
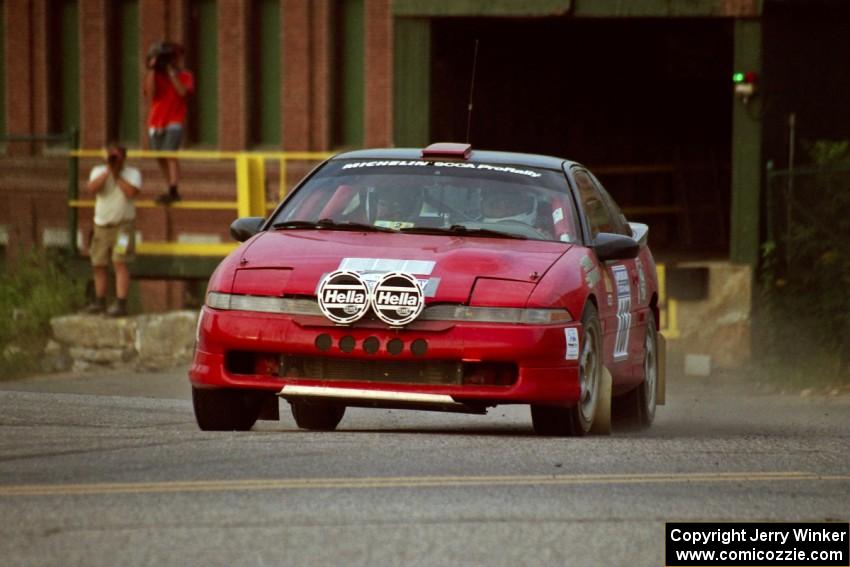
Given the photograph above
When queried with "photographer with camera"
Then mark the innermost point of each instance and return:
(167, 84)
(114, 185)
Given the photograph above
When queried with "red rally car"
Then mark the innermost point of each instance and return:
(439, 279)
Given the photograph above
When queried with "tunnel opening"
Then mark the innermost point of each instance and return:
(646, 104)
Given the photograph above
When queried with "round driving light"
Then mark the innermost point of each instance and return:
(397, 298)
(371, 345)
(323, 342)
(343, 297)
(419, 347)
(346, 343)
(395, 346)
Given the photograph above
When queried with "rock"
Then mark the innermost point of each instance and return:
(93, 331)
(149, 342)
(56, 358)
(81, 366)
(11, 351)
(165, 340)
(110, 356)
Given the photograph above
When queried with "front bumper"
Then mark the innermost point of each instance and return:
(544, 374)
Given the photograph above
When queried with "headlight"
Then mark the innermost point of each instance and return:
(289, 306)
(262, 304)
(512, 315)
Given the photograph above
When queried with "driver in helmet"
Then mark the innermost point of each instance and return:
(397, 206)
(505, 204)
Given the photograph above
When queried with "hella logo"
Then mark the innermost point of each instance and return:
(333, 296)
(397, 298)
(343, 297)
(403, 298)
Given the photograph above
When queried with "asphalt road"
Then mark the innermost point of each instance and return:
(111, 469)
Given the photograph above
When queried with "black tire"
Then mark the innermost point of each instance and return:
(635, 409)
(577, 420)
(317, 416)
(226, 409)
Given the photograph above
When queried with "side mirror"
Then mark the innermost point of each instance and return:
(610, 246)
(246, 227)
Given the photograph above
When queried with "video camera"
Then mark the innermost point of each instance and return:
(163, 53)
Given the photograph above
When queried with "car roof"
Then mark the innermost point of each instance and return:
(476, 156)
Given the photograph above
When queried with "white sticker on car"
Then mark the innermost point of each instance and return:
(624, 312)
(557, 215)
(417, 267)
(571, 336)
(641, 282)
(371, 270)
(591, 271)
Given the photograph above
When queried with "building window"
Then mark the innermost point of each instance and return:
(348, 73)
(2, 68)
(202, 60)
(63, 48)
(124, 85)
(264, 73)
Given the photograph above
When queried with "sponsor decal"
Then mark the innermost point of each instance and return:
(641, 282)
(384, 265)
(591, 271)
(462, 165)
(343, 297)
(397, 298)
(624, 312)
(395, 225)
(371, 270)
(571, 335)
(609, 287)
(385, 163)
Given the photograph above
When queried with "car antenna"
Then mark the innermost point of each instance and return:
(471, 90)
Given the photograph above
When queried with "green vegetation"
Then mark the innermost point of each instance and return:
(805, 275)
(38, 288)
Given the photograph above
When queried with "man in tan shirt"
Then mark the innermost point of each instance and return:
(114, 185)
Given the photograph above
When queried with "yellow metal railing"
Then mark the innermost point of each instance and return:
(666, 307)
(250, 179)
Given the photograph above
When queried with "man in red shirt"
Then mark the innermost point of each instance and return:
(167, 84)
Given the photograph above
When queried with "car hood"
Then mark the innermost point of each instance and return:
(299, 259)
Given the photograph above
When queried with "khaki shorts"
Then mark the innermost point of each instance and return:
(119, 239)
(166, 139)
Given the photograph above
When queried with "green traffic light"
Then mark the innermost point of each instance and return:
(738, 78)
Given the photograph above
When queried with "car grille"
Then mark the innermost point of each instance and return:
(415, 371)
(397, 371)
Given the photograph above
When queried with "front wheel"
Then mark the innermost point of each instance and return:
(226, 409)
(578, 419)
(317, 416)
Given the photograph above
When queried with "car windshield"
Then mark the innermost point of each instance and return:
(432, 197)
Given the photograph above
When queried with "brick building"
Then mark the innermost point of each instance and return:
(638, 90)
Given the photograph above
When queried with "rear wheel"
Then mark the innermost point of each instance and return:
(636, 409)
(317, 416)
(226, 409)
(578, 419)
